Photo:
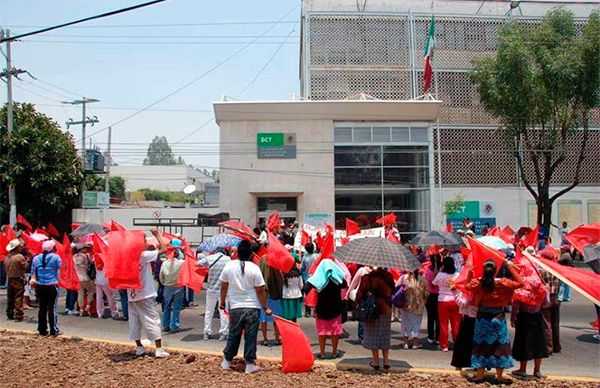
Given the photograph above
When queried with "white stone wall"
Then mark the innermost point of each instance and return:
(162, 178)
(244, 177)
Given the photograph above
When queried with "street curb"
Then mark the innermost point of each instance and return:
(347, 366)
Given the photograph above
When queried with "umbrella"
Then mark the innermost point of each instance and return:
(89, 229)
(377, 252)
(220, 240)
(237, 226)
(38, 237)
(493, 242)
(441, 239)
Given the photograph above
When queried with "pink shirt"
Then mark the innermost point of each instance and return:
(430, 275)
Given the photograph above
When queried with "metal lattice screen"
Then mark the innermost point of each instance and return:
(340, 84)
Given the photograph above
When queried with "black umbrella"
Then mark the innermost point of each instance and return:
(377, 252)
(86, 229)
(441, 239)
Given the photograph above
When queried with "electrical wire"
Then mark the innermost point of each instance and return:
(152, 43)
(169, 36)
(223, 23)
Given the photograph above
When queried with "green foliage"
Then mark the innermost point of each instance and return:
(116, 185)
(454, 206)
(41, 160)
(157, 195)
(160, 153)
(541, 86)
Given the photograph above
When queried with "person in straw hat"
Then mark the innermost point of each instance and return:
(15, 264)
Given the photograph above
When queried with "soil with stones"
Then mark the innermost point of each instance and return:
(31, 361)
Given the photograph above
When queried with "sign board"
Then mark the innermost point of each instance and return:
(593, 212)
(318, 219)
(95, 199)
(480, 212)
(275, 145)
(570, 211)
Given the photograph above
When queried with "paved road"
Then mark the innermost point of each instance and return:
(580, 356)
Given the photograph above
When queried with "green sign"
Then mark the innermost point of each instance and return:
(96, 199)
(275, 145)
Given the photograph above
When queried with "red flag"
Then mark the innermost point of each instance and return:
(262, 251)
(277, 256)
(534, 292)
(52, 230)
(461, 281)
(41, 231)
(191, 276)
(33, 245)
(449, 228)
(352, 228)
(319, 240)
(391, 235)
(531, 240)
(387, 220)
(21, 220)
(344, 241)
(465, 252)
(296, 352)
(326, 250)
(99, 248)
(482, 253)
(585, 282)
(68, 278)
(116, 227)
(3, 243)
(495, 231)
(507, 234)
(75, 226)
(274, 222)
(396, 273)
(584, 235)
(122, 259)
(305, 238)
(10, 233)
(433, 250)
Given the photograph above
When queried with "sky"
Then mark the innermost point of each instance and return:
(128, 67)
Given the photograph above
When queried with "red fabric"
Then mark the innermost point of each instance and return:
(396, 273)
(448, 315)
(52, 230)
(344, 240)
(352, 228)
(41, 231)
(33, 245)
(262, 251)
(242, 230)
(584, 282)
(116, 227)
(23, 221)
(277, 256)
(10, 233)
(191, 276)
(495, 231)
(305, 238)
(122, 259)
(482, 253)
(296, 352)
(3, 243)
(68, 278)
(427, 73)
(328, 246)
(449, 228)
(319, 240)
(74, 226)
(595, 324)
(98, 248)
(531, 240)
(507, 234)
(549, 253)
(584, 235)
(387, 220)
(433, 250)
(465, 252)
(274, 222)
(311, 298)
(392, 237)
(461, 281)
(534, 291)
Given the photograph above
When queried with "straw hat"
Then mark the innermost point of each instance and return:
(13, 244)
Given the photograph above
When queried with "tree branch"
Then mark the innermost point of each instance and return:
(524, 177)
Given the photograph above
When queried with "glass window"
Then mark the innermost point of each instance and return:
(358, 201)
(381, 134)
(342, 135)
(277, 203)
(365, 219)
(405, 156)
(400, 134)
(357, 176)
(357, 156)
(405, 177)
(362, 134)
(418, 134)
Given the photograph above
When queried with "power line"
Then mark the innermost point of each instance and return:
(103, 15)
(58, 87)
(169, 36)
(152, 43)
(223, 23)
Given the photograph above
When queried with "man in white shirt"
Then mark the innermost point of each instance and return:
(243, 287)
(215, 263)
(142, 311)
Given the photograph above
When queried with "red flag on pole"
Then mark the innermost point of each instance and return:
(190, 275)
(33, 245)
(116, 227)
(391, 235)
(3, 243)
(75, 226)
(305, 238)
(68, 278)
(507, 234)
(52, 230)
(122, 259)
(584, 235)
(449, 228)
(352, 228)
(277, 256)
(531, 240)
(10, 233)
(274, 222)
(482, 253)
(23, 221)
(296, 352)
(387, 220)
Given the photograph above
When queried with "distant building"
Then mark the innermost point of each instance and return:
(161, 178)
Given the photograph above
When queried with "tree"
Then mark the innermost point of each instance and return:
(541, 86)
(41, 160)
(160, 153)
(116, 185)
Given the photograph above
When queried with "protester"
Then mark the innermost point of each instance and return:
(83, 262)
(142, 311)
(551, 313)
(291, 302)
(463, 345)
(351, 295)
(45, 270)
(433, 323)
(529, 342)
(15, 265)
(415, 292)
(274, 286)
(29, 292)
(172, 294)
(307, 261)
(243, 289)
(215, 263)
(104, 291)
(328, 280)
(564, 292)
(447, 308)
(491, 343)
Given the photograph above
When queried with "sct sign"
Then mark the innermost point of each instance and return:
(275, 145)
(480, 212)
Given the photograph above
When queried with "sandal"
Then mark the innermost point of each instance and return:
(475, 380)
(386, 367)
(277, 342)
(265, 343)
(376, 367)
(502, 381)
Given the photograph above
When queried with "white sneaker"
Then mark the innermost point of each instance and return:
(206, 336)
(225, 365)
(140, 351)
(223, 337)
(161, 353)
(251, 368)
(596, 337)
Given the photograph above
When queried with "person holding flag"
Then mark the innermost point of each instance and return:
(45, 269)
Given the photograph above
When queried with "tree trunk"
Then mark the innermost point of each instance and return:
(544, 215)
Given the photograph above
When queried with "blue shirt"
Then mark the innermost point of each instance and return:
(48, 275)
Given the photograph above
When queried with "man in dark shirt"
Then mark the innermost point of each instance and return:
(15, 264)
(274, 286)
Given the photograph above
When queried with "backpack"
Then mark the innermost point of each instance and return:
(366, 307)
(91, 271)
(399, 297)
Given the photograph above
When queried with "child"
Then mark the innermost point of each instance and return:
(291, 303)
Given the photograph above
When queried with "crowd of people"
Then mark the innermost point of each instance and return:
(247, 293)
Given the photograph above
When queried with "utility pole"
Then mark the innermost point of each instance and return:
(108, 162)
(8, 73)
(84, 120)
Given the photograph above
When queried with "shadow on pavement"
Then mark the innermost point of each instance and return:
(122, 357)
(586, 338)
(361, 365)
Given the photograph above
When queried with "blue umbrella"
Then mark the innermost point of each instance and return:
(220, 240)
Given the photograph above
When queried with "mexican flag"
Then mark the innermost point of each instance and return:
(428, 54)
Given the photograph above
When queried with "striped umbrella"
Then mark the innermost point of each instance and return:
(377, 252)
(221, 240)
